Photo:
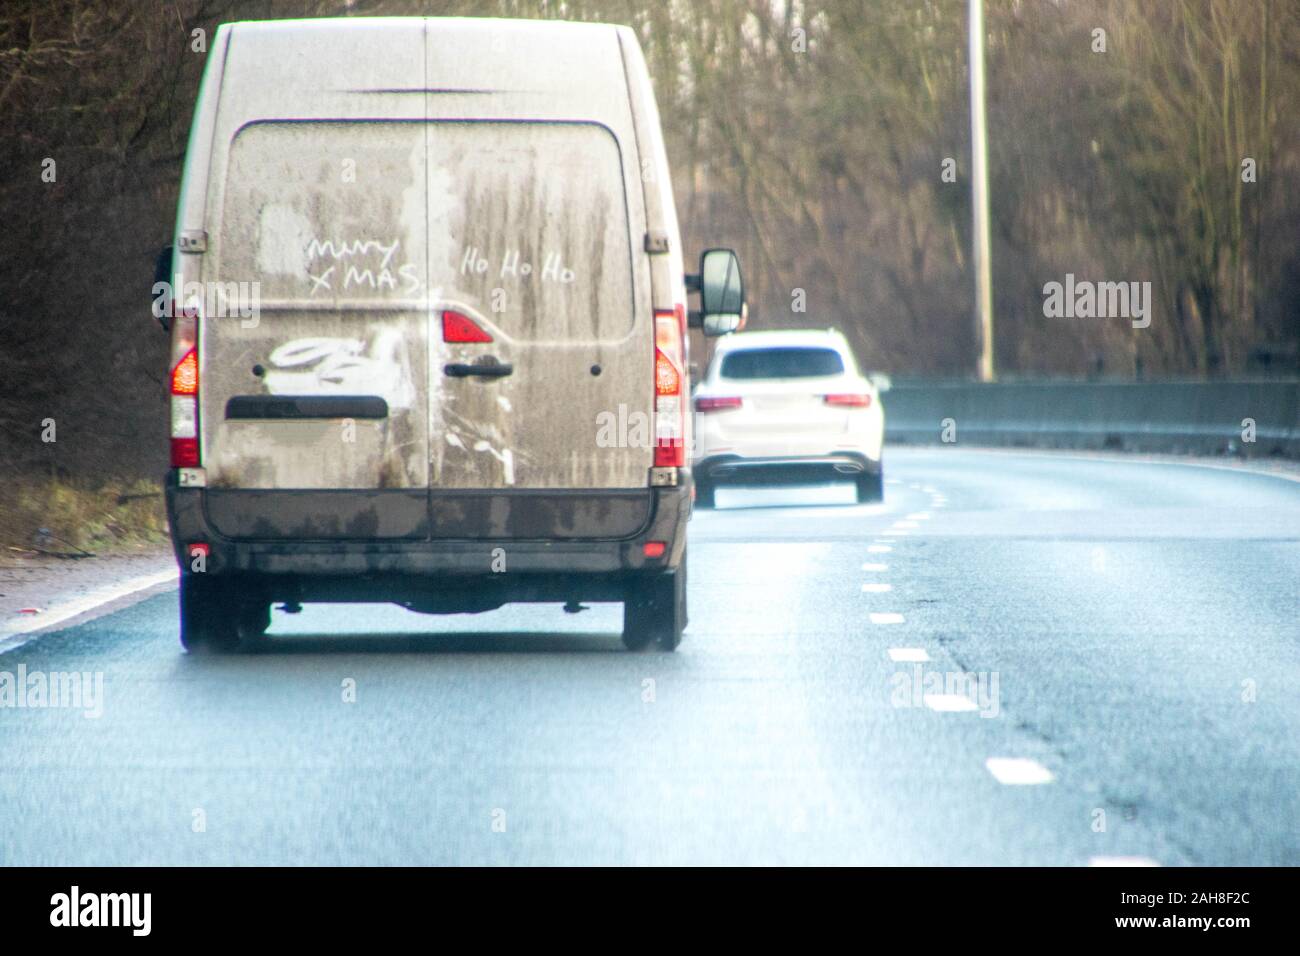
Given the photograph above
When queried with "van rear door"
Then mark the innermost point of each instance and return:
(540, 371)
(324, 388)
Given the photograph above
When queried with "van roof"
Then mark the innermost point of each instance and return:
(465, 54)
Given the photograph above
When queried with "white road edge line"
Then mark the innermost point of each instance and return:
(887, 617)
(949, 703)
(1018, 771)
(874, 587)
(875, 567)
(16, 634)
(908, 655)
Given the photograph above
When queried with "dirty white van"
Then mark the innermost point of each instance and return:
(429, 338)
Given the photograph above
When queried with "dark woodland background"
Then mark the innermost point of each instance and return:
(810, 136)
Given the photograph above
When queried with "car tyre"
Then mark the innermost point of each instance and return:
(704, 491)
(654, 611)
(871, 487)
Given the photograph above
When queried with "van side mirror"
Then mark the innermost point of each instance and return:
(722, 292)
(162, 291)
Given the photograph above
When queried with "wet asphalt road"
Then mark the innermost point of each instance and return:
(1125, 633)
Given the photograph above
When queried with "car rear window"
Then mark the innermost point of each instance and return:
(781, 363)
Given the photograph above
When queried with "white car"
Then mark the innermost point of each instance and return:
(786, 406)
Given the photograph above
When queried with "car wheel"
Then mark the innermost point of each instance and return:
(871, 487)
(655, 611)
(704, 494)
(207, 626)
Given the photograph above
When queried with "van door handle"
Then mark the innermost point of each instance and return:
(485, 369)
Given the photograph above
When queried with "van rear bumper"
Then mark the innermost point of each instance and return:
(491, 559)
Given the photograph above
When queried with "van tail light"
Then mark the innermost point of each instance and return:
(670, 414)
(849, 400)
(461, 328)
(185, 391)
(185, 376)
(717, 403)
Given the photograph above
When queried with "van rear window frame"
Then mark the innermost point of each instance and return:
(402, 304)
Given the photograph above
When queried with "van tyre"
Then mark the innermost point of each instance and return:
(871, 487)
(207, 624)
(655, 611)
(254, 619)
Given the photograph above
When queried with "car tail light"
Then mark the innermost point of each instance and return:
(461, 328)
(670, 418)
(654, 549)
(850, 400)
(717, 403)
(185, 390)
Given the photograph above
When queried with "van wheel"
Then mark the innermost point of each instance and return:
(655, 611)
(704, 494)
(254, 620)
(207, 625)
(871, 487)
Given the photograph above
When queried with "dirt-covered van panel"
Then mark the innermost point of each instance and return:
(329, 220)
(318, 515)
(361, 236)
(531, 238)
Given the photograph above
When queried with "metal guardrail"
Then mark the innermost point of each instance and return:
(1189, 417)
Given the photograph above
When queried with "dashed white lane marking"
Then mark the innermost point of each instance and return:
(1121, 861)
(949, 702)
(878, 549)
(905, 524)
(919, 516)
(886, 617)
(88, 602)
(1018, 771)
(876, 588)
(875, 567)
(908, 655)
(893, 481)
(929, 489)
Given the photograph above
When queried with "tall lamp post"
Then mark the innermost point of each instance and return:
(980, 197)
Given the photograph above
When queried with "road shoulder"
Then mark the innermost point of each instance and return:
(41, 593)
